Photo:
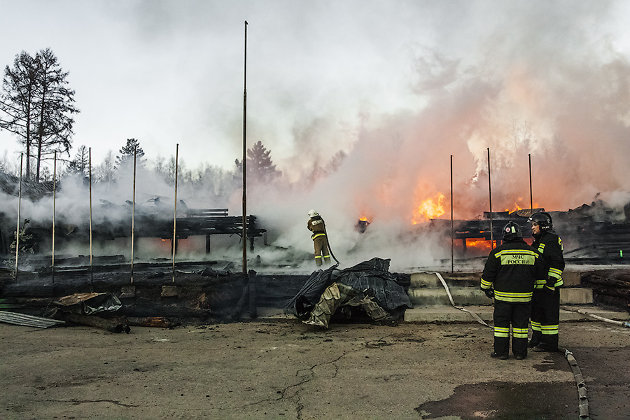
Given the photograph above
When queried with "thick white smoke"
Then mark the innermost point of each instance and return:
(549, 79)
(544, 80)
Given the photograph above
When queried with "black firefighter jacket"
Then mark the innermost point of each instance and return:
(511, 270)
(549, 246)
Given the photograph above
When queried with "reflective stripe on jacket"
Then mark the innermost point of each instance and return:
(316, 225)
(512, 270)
(549, 246)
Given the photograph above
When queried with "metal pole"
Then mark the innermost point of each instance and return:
(452, 229)
(490, 199)
(133, 209)
(175, 210)
(17, 230)
(244, 237)
(54, 213)
(91, 254)
(531, 197)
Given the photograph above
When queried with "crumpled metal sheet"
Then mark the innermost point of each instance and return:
(28, 320)
(89, 303)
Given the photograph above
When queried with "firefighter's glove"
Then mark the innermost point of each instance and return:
(489, 293)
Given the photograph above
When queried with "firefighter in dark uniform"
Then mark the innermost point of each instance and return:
(320, 241)
(509, 276)
(545, 316)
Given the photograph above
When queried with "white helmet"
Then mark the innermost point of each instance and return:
(312, 213)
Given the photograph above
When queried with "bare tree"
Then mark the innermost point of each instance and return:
(17, 110)
(37, 106)
(106, 170)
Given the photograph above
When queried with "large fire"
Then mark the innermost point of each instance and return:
(431, 208)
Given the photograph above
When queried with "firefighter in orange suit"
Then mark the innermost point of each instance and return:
(320, 240)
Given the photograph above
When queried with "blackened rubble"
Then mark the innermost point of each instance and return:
(205, 294)
(153, 220)
(609, 287)
(367, 288)
(591, 233)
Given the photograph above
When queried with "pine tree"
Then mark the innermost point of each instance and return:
(260, 167)
(126, 153)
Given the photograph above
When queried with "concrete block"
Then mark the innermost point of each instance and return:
(576, 296)
(424, 280)
(462, 279)
(461, 296)
(572, 278)
(169, 291)
(127, 292)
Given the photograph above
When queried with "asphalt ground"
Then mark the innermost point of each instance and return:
(283, 369)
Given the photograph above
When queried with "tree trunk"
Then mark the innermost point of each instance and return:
(40, 139)
(28, 155)
(39, 155)
(28, 133)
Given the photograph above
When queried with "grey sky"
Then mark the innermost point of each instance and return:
(172, 71)
(325, 76)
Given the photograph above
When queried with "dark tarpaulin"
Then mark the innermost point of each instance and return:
(372, 277)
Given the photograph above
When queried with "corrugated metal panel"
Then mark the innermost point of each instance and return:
(28, 320)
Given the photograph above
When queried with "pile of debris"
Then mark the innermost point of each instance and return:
(367, 289)
(610, 288)
(98, 310)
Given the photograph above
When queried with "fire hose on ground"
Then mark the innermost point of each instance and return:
(568, 355)
(461, 308)
(625, 324)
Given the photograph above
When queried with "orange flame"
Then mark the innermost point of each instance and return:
(515, 207)
(431, 208)
(518, 206)
(480, 244)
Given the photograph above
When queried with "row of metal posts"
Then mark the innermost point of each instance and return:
(133, 215)
(134, 195)
(173, 243)
(531, 205)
